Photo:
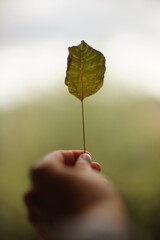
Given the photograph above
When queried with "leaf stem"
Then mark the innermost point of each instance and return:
(83, 127)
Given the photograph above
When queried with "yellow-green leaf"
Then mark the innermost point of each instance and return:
(85, 70)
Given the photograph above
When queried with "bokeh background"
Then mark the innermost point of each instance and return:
(38, 115)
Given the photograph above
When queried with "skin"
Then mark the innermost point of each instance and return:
(66, 185)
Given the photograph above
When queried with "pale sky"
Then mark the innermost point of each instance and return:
(35, 35)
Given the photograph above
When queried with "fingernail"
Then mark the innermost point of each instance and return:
(88, 153)
(85, 157)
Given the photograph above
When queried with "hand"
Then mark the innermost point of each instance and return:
(67, 184)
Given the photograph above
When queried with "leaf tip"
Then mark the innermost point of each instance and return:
(83, 43)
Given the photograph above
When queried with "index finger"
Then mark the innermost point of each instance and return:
(67, 157)
(54, 163)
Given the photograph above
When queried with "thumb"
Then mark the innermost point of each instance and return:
(83, 162)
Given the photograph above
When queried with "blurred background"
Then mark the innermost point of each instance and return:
(38, 115)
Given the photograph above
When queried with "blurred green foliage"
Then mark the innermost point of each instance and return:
(123, 134)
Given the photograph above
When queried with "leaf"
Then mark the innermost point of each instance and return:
(85, 70)
(85, 74)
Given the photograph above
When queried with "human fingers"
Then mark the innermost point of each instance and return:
(35, 202)
(67, 157)
(83, 162)
(96, 166)
(54, 162)
(57, 159)
(70, 156)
